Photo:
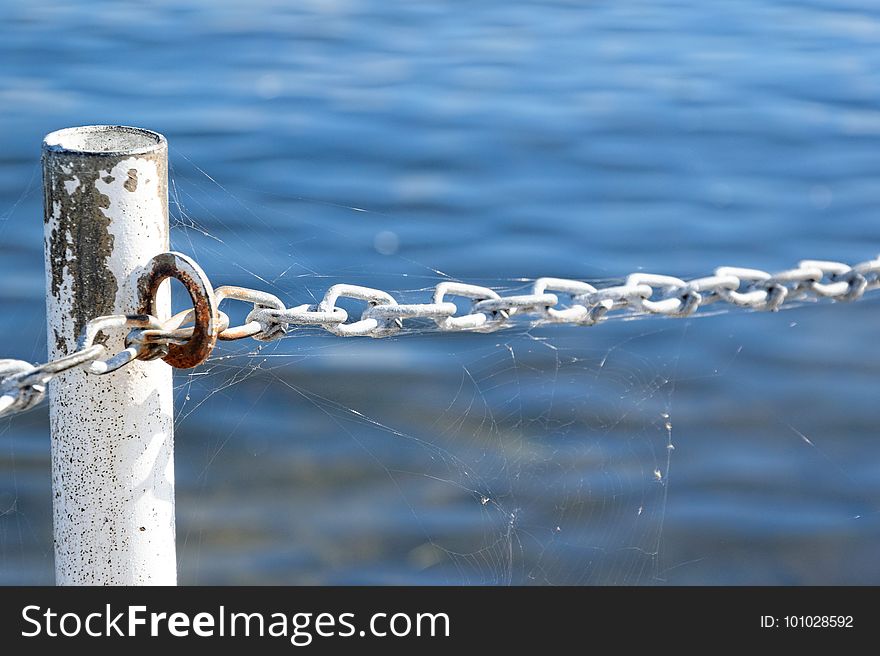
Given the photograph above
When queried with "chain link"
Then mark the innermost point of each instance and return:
(551, 300)
(23, 385)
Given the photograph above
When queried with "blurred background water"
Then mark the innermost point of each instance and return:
(490, 142)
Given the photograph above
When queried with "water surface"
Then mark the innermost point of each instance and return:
(392, 144)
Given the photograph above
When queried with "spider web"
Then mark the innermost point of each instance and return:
(532, 455)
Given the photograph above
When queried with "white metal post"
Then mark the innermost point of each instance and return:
(106, 215)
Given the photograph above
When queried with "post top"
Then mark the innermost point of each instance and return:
(106, 140)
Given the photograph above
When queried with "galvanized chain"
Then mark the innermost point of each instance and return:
(556, 300)
(551, 300)
(23, 385)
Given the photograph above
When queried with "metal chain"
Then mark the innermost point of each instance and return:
(552, 300)
(23, 385)
(558, 300)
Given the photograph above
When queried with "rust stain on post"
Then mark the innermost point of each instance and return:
(131, 184)
(80, 233)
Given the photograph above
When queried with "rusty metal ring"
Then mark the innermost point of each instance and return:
(204, 336)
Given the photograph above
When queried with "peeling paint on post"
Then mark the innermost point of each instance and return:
(106, 214)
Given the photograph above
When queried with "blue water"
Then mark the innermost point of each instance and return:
(494, 141)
